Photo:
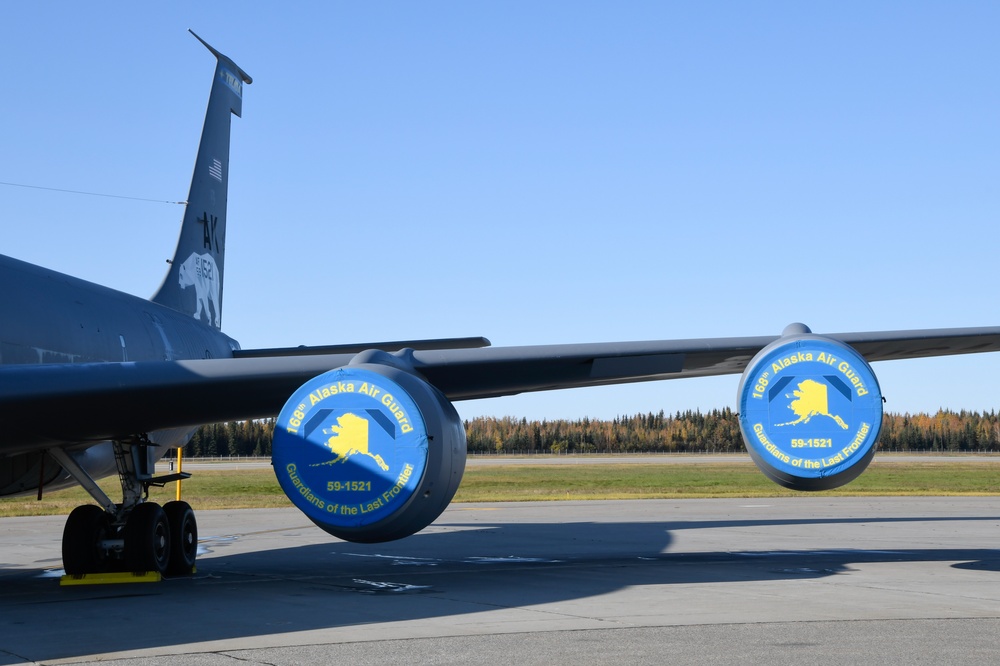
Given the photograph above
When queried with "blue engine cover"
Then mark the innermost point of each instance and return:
(368, 452)
(810, 412)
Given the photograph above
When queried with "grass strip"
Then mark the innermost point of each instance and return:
(257, 488)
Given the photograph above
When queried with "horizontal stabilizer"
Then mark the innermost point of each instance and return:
(243, 75)
(440, 343)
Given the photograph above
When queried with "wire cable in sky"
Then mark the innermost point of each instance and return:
(91, 194)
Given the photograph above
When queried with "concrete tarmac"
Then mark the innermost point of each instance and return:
(804, 580)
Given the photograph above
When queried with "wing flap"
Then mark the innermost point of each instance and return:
(896, 345)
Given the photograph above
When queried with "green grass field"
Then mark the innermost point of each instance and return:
(257, 488)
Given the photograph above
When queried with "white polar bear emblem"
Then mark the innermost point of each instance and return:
(200, 270)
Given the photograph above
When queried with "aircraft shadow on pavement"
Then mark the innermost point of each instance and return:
(466, 569)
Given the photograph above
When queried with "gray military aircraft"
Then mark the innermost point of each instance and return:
(367, 442)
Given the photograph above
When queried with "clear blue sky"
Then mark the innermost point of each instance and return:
(534, 172)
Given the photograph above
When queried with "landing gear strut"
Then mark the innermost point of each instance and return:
(136, 535)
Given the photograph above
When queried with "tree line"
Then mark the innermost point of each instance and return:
(716, 431)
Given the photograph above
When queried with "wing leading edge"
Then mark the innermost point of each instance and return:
(47, 405)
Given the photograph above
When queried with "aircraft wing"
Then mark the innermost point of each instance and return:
(45, 405)
(486, 373)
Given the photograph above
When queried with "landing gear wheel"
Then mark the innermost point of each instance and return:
(147, 539)
(183, 538)
(86, 527)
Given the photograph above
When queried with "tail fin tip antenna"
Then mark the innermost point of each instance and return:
(243, 75)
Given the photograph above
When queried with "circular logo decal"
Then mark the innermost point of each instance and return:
(810, 407)
(350, 447)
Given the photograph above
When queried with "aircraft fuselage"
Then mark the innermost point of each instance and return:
(49, 317)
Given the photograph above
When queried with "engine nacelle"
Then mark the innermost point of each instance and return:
(369, 452)
(810, 411)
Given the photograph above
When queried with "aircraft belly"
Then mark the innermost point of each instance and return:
(20, 472)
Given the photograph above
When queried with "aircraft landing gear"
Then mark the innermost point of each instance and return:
(136, 535)
(147, 539)
(87, 529)
(183, 537)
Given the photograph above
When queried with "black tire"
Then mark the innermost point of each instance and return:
(183, 538)
(147, 539)
(85, 528)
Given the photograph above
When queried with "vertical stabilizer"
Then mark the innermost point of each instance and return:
(194, 283)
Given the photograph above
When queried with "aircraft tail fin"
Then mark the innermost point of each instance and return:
(194, 282)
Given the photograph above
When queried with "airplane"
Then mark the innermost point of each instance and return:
(367, 442)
